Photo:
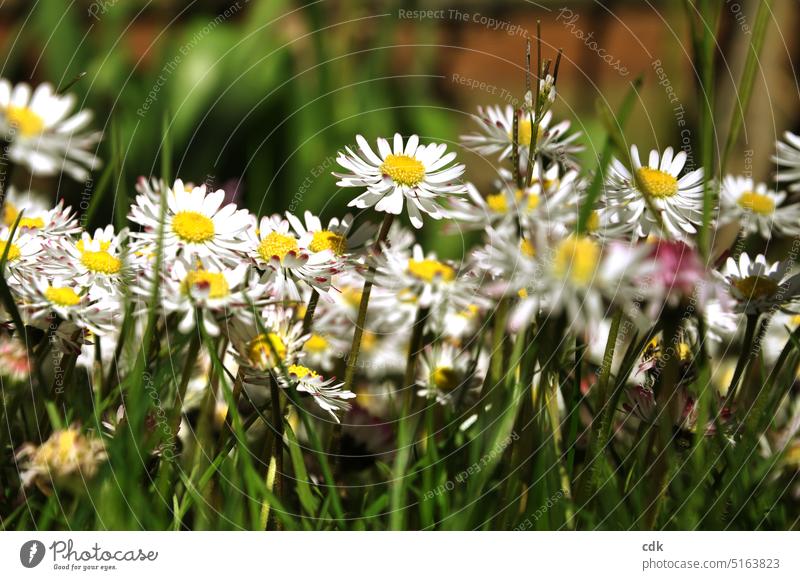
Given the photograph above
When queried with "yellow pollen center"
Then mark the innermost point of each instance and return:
(656, 183)
(31, 223)
(301, 372)
(756, 286)
(192, 227)
(13, 250)
(260, 349)
(757, 203)
(62, 296)
(101, 262)
(533, 201)
(525, 132)
(276, 245)
(24, 120)
(316, 343)
(497, 203)
(327, 240)
(213, 282)
(526, 247)
(577, 259)
(428, 270)
(403, 169)
(10, 213)
(593, 223)
(445, 378)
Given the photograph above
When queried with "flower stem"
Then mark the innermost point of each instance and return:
(308, 317)
(277, 442)
(745, 355)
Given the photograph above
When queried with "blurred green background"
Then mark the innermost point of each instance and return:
(260, 95)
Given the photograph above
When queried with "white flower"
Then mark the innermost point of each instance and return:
(758, 286)
(443, 373)
(787, 155)
(497, 124)
(326, 393)
(42, 135)
(32, 203)
(192, 289)
(280, 342)
(757, 208)
(25, 255)
(418, 174)
(195, 223)
(66, 455)
(287, 259)
(677, 202)
(95, 262)
(339, 237)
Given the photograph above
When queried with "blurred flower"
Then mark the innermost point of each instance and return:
(787, 155)
(14, 362)
(327, 394)
(757, 208)
(758, 286)
(67, 457)
(42, 135)
(418, 174)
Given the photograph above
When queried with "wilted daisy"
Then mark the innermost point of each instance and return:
(287, 259)
(67, 457)
(327, 393)
(340, 236)
(195, 222)
(497, 124)
(758, 286)
(94, 261)
(787, 155)
(203, 289)
(417, 174)
(757, 208)
(655, 194)
(42, 134)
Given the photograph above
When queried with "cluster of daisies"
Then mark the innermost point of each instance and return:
(285, 293)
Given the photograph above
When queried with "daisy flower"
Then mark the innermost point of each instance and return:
(32, 203)
(95, 262)
(327, 393)
(757, 208)
(418, 174)
(14, 362)
(42, 134)
(758, 286)
(443, 370)
(66, 457)
(208, 291)
(787, 154)
(281, 341)
(655, 194)
(196, 225)
(41, 297)
(287, 259)
(47, 223)
(24, 257)
(497, 125)
(339, 237)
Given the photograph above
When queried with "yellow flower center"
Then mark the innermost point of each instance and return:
(656, 183)
(684, 352)
(213, 282)
(577, 259)
(31, 223)
(101, 262)
(24, 120)
(526, 247)
(428, 270)
(327, 240)
(276, 245)
(316, 343)
(62, 296)
(352, 296)
(260, 350)
(533, 201)
(593, 223)
(403, 169)
(301, 372)
(444, 378)
(192, 227)
(526, 132)
(13, 250)
(10, 213)
(497, 203)
(756, 286)
(757, 203)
